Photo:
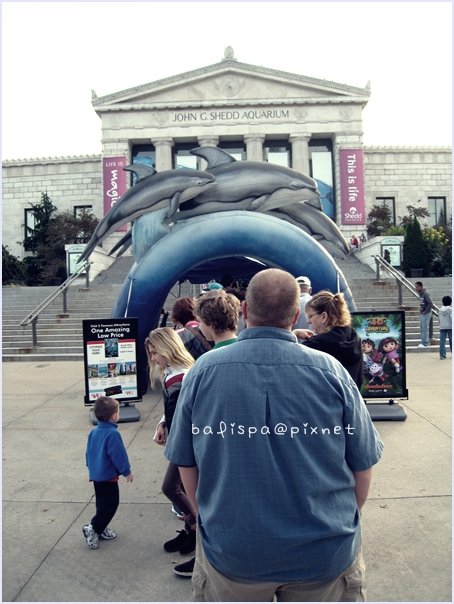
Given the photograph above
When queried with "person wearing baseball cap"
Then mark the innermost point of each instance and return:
(305, 296)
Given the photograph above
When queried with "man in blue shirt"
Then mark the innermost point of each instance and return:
(275, 447)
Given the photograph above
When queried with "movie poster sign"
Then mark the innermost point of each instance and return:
(382, 336)
(110, 353)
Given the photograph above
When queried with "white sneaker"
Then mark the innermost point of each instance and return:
(91, 537)
(177, 513)
(423, 346)
(108, 534)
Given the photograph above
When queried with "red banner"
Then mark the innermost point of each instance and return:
(114, 182)
(351, 167)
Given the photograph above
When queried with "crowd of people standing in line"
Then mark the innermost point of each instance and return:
(272, 311)
(223, 454)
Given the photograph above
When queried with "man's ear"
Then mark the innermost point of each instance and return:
(297, 316)
(244, 309)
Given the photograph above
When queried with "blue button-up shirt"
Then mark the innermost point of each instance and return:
(276, 431)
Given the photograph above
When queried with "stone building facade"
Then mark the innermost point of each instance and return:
(313, 126)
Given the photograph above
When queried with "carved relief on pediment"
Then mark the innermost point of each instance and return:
(230, 86)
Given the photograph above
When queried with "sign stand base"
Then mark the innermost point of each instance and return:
(128, 413)
(390, 411)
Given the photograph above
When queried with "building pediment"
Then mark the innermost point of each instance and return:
(228, 83)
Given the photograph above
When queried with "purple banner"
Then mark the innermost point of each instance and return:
(114, 182)
(351, 167)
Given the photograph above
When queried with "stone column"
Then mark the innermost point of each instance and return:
(206, 141)
(300, 152)
(254, 146)
(163, 148)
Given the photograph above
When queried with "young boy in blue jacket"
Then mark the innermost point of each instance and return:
(106, 460)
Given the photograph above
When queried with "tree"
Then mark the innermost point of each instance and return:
(413, 213)
(38, 236)
(47, 241)
(13, 270)
(439, 246)
(378, 220)
(415, 250)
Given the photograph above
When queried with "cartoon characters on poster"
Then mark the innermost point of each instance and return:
(382, 340)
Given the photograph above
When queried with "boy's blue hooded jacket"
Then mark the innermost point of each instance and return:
(106, 455)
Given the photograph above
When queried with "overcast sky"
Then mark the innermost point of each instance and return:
(55, 53)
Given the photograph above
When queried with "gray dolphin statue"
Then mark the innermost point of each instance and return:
(161, 189)
(243, 180)
(122, 245)
(266, 188)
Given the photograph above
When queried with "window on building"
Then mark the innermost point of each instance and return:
(277, 152)
(236, 149)
(82, 237)
(78, 210)
(436, 206)
(182, 157)
(321, 160)
(145, 155)
(321, 170)
(390, 203)
(29, 227)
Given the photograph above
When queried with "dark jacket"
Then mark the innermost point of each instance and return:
(194, 340)
(344, 344)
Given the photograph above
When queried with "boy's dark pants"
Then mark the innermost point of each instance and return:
(107, 501)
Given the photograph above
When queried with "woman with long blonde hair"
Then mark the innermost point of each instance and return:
(169, 361)
(331, 332)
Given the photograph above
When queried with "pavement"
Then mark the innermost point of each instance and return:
(47, 497)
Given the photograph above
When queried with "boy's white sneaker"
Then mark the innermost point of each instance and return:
(91, 537)
(108, 534)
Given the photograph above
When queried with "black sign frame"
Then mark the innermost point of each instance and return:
(382, 334)
(110, 360)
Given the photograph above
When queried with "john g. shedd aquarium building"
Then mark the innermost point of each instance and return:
(254, 113)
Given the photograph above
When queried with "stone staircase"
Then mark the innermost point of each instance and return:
(60, 335)
(370, 294)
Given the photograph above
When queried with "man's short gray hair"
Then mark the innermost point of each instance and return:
(272, 298)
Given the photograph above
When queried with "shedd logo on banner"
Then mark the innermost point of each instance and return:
(353, 216)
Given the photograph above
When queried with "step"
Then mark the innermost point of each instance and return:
(60, 336)
(37, 357)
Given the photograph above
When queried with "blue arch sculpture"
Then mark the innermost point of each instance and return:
(275, 242)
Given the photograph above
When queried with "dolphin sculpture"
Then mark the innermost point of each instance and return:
(151, 192)
(122, 245)
(244, 180)
(266, 188)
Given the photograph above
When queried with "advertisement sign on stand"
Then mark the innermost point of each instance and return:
(382, 336)
(110, 354)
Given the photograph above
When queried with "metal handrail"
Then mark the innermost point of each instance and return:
(32, 317)
(401, 280)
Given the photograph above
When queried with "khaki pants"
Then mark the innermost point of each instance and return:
(209, 585)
